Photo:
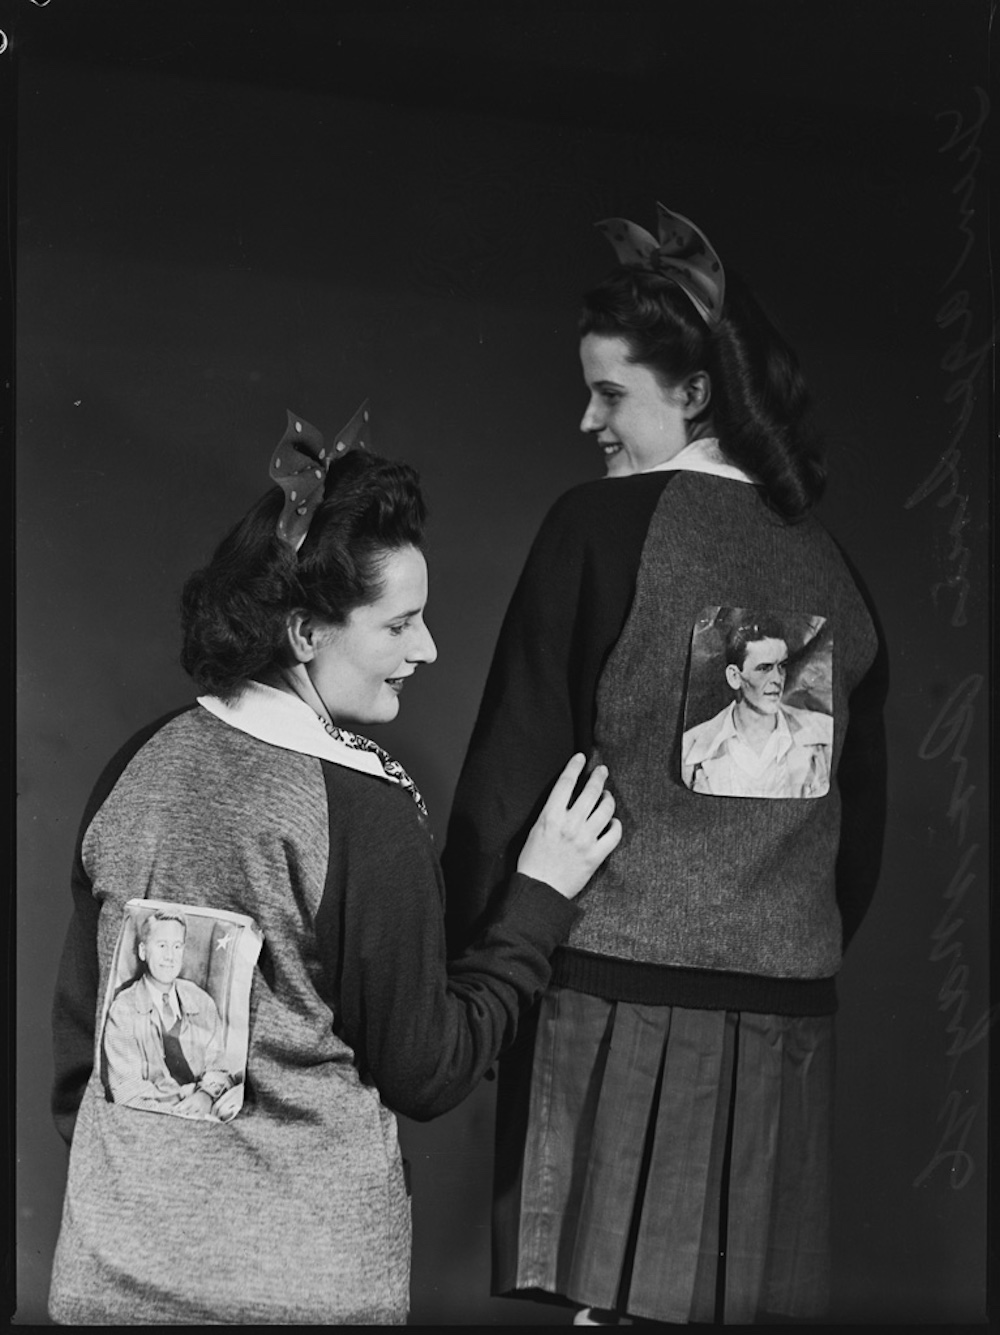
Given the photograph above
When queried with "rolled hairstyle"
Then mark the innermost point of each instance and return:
(759, 397)
(234, 612)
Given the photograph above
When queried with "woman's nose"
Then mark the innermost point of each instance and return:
(592, 420)
(425, 650)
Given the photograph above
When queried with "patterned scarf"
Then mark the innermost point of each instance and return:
(392, 767)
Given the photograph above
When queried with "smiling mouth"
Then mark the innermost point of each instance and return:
(395, 683)
(609, 447)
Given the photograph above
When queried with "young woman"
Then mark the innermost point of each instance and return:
(663, 1128)
(261, 806)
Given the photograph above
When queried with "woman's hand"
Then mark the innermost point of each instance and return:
(569, 841)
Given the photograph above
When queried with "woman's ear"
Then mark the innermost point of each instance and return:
(697, 390)
(300, 630)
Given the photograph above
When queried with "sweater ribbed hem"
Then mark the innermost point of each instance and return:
(695, 989)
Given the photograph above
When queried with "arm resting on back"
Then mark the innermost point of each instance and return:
(425, 1031)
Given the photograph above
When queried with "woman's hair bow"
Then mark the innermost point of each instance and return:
(300, 464)
(682, 252)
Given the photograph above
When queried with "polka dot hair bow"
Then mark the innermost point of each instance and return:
(682, 253)
(300, 464)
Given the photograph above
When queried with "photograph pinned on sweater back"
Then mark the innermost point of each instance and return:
(758, 714)
(176, 1020)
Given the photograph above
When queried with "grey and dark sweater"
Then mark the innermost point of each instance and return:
(735, 903)
(296, 1212)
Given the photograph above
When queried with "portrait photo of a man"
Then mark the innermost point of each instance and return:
(760, 744)
(170, 1043)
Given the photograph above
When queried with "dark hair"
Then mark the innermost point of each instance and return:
(234, 612)
(759, 396)
(748, 631)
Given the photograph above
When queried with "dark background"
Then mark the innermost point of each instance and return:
(227, 209)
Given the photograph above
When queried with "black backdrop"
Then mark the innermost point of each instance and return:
(227, 209)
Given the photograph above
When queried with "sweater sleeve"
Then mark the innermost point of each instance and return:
(564, 618)
(74, 1008)
(862, 781)
(424, 1030)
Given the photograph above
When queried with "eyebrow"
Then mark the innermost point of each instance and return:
(403, 616)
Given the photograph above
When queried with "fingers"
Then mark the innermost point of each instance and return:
(602, 812)
(562, 789)
(611, 838)
(592, 790)
(593, 801)
(572, 837)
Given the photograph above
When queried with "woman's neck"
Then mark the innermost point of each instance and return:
(703, 430)
(296, 681)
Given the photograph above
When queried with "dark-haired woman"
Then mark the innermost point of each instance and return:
(663, 1142)
(261, 801)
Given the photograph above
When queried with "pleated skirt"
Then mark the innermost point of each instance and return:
(670, 1164)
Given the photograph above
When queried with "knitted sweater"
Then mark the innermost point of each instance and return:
(732, 902)
(296, 1211)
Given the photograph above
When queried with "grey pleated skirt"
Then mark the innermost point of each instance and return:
(672, 1164)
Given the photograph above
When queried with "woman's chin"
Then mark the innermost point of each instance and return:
(618, 465)
(387, 707)
(382, 711)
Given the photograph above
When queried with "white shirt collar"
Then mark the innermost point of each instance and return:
(702, 456)
(282, 719)
(157, 996)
